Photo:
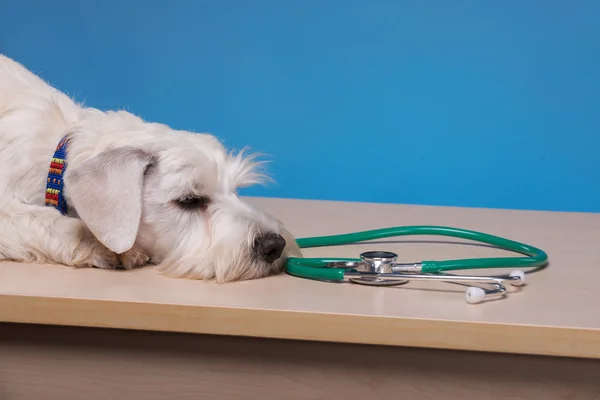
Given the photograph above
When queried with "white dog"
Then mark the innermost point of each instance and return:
(133, 192)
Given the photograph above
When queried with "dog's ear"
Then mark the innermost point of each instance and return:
(106, 191)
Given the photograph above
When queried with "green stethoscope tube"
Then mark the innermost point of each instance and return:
(318, 268)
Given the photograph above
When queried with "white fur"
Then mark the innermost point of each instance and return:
(122, 178)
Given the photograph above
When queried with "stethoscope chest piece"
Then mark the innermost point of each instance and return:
(376, 263)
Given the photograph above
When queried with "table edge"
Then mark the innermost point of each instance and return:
(302, 325)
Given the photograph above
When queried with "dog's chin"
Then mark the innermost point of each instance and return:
(248, 268)
(225, 265)
(221, 270)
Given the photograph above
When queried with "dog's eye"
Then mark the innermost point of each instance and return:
(193, 202)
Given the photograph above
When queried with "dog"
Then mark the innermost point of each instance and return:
(88, 188)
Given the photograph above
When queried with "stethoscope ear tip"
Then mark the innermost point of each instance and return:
(521, 278)
(474, 295)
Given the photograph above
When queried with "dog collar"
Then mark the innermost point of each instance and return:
(55, 183)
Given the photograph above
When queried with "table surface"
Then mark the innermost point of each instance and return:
(554, 314)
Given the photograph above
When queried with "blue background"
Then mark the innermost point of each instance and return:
(467, 103)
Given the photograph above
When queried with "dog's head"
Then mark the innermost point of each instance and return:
(173, 193)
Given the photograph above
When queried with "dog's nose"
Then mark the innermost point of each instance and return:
(269, 246)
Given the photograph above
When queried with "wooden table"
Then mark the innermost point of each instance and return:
(285, 337)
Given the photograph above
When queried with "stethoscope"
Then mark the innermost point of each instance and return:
(379, 268)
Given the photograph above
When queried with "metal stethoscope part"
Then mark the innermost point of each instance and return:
(379, 268)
